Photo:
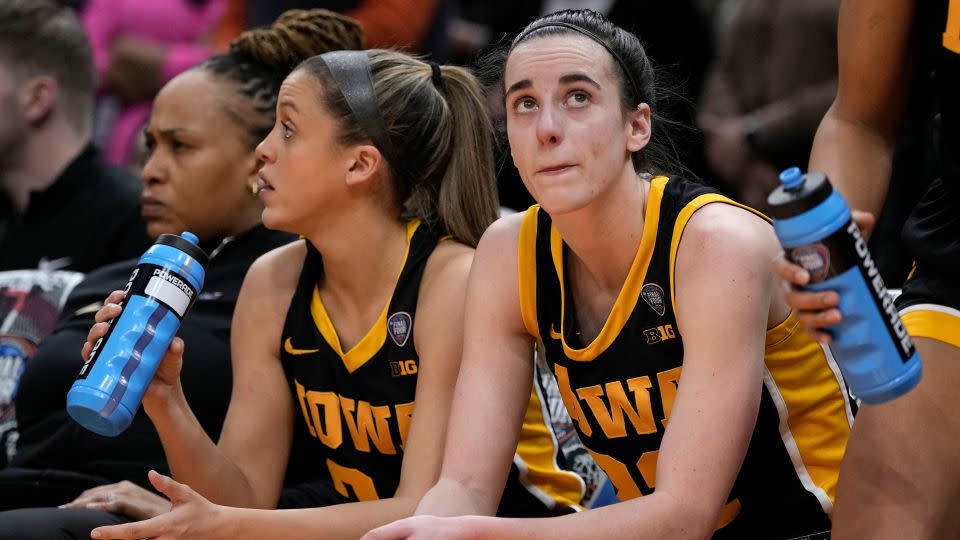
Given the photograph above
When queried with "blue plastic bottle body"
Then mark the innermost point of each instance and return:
(112, 382)
(870, 344)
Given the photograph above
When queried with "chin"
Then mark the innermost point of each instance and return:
(557, 204)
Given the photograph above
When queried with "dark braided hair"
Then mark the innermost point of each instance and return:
(259, 60)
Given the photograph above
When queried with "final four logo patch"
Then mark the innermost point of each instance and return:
(399, 326)
(652, 294)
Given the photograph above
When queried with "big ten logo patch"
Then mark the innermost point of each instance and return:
(399, 368)
(659, 334)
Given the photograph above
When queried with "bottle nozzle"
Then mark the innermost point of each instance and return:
(791, 178)
(190, 237)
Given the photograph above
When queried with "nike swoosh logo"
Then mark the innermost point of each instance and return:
(288, 346)
(554, 334)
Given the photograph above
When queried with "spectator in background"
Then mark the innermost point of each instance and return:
(199, 176)
(138, 46)
(775, 77)
(408, 25)
(53, 180)
(63, 210)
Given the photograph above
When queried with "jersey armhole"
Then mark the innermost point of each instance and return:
(527, 270)
(681, 223)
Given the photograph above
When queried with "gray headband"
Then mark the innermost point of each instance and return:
(351, 73)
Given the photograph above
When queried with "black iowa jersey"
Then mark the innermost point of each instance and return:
(354, 407)
(620, 388)
(932, 232)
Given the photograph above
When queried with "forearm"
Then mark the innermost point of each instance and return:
(450, 497)
(856, 159)
(194, 459)
(342, 521)
(652, 517)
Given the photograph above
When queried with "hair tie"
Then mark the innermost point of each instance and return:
(436, 75)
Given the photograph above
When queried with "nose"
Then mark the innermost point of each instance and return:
(265, 151)
(549, 125)
(154, 170)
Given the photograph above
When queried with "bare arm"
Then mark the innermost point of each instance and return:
(246, 468)
(854, 143)
(438, 335)
(494, 383)
(723, 304)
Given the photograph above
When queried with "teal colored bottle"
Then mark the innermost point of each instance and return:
(817, 232)
(160, 292)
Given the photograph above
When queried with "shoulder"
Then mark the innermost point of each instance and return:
(278, 270)
(726, 231)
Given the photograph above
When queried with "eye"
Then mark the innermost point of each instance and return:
(149, 143)
(286, 129)
(524, 104)
(178, 146)
(577, 98)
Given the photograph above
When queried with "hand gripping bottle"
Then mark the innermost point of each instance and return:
(161, 289)
(870, 344)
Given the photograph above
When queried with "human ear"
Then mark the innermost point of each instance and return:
(38, 98)
(365, 159)
(638, 128)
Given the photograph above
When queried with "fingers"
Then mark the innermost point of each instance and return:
(398, 530)
(175, 491)
(790, 272)
(816, 321)
(132, 531)
(865, 220)
(801, 300)
(110, 309)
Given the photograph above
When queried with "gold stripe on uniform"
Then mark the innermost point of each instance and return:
(933, 321)
(630, 292)
(527, 270)
(681, 223)
(375, 337)
(816, 416)
(537, 449)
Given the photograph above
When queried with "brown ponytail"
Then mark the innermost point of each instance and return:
(440, 139)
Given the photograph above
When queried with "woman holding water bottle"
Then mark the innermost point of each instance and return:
(685, 372)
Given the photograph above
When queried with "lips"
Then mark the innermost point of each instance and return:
(556, 169)
(263, 184)
(152, 207)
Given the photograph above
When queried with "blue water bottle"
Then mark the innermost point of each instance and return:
(161, 289)
(870, 343)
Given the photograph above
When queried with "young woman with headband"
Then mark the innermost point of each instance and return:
(682, 367)
(383, 163)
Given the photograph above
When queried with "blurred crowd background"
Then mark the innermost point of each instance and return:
(747, 80)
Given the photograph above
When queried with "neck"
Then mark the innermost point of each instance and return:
(362, 254)
(604, 236)
(45, 154)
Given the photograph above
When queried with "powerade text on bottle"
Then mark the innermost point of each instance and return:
(870, 343)
(161, 289)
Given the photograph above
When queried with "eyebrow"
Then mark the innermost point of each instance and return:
(288, 103)
(564, 79)
(170, 132)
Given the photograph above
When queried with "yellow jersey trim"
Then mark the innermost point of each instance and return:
(527, 270)
(537, 449)
(374, 338)
(630, 292)
(933, 322)
(681, 223)
(810, 397)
